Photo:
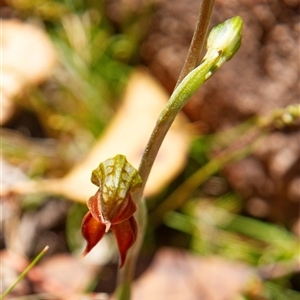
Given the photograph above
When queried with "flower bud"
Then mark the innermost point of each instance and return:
(226, 38)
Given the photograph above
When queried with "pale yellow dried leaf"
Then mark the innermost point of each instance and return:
(28, 58)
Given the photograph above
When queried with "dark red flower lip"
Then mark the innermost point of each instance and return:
(123, 225)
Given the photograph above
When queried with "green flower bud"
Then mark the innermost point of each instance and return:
(226, 37)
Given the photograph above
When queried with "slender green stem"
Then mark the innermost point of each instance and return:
(163, 124)
(38, 257)
(223, 42)
(179, 98)
(198, 40)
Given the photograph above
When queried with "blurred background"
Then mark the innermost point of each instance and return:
(84, 80)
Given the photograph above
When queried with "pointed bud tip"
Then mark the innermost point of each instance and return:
(226, 37)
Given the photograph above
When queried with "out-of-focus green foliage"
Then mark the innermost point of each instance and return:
(76, 103)
(216, 227)
(93, 69)
(93, 65)
(214, 221)
(276, 292)
(73, 226)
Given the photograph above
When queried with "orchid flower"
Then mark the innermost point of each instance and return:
(112, 206)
